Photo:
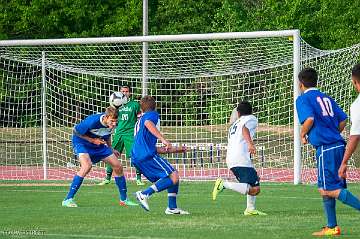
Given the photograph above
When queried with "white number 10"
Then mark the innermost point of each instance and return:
(326, 106)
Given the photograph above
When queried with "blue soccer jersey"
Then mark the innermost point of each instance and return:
(144, 146)
(327, 116)
(91, 126)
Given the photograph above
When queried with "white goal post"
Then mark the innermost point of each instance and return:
(49, 85)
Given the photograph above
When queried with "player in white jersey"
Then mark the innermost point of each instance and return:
(238, 159)
(354, 138)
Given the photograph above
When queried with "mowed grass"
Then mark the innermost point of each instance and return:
(294, 212)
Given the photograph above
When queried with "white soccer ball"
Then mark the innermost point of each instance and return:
(118, 99)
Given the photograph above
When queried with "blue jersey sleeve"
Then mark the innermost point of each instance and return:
(153, 117)
(339, 113)
(303, 109)
(83, 126)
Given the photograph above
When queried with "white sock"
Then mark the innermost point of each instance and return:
(242, 188)
(250, 202)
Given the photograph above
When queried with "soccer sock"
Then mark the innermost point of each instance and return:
(242, 188)
(74, 187)
(348, 198)
(150, 190)
(172, 193)
(138, 175)
(121, 184)
(109, 171)
(250, 202)
(159, 186)
(330, 211)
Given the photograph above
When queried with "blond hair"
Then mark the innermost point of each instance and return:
(112, 112)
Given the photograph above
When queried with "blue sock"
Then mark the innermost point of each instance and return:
(150, 190)
(159, 186)
(172, 193)
(330, 211)
(121, 184)
(74, 187)
(348, 198)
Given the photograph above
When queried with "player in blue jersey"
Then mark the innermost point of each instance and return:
(92, 143)
(322, 122)
(145, 157)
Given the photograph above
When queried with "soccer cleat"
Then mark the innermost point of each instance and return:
(139, 182)
(254, 212)
(106, 181)
(176, 211)
(218, 188)
(69, 203)
(127, 202)
(326, 231)
(142, 198)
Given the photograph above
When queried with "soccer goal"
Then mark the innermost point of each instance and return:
(47, 86)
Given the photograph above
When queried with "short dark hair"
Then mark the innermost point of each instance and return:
(244, 108)
(308, 77)
(147, 103)
(126, 86)
(112, 112)
(356, 72)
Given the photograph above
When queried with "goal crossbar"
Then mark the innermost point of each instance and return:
(160, 38)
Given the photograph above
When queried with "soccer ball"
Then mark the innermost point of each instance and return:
(118, 99)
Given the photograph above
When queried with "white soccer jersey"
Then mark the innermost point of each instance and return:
(237, 149)
(355, 117)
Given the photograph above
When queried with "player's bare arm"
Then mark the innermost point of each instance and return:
(305, 128)
(342, 125)
(247, 137)
(162, 150)
(152, 128)
(350, 149)
(96, 141)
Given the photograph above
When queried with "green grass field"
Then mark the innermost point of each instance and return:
(294, 212)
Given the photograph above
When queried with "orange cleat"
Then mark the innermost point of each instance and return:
(326, 231)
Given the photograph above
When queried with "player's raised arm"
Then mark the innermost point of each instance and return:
(234, 116)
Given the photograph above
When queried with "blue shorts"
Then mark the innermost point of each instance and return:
(96, 154)
(329, 158)
(154, 168)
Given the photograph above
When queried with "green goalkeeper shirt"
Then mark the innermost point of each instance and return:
(127, 118)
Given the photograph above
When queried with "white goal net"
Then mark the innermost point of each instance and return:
(48, 86)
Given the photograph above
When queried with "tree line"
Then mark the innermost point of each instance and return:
(325, 24)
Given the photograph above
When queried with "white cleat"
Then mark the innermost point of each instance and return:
(142, 198)
(176, 211)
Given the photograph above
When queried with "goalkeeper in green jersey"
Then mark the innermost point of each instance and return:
(124, 132)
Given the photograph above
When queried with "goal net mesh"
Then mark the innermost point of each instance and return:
(196, 85)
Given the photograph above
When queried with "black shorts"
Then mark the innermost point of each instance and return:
(246, 175)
